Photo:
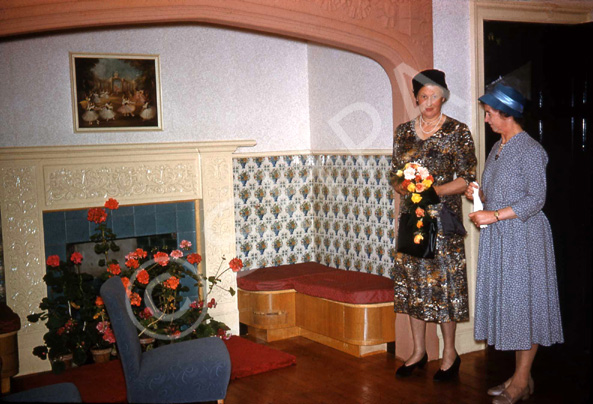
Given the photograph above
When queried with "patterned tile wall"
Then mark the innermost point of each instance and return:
(333, 209)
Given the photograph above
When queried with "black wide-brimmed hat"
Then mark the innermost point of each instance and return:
(505, 99)
(430, 77)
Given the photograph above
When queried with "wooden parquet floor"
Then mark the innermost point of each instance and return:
(325, 375)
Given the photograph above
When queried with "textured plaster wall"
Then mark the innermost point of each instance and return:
(452, 54)
(350, 99)
(217, 83)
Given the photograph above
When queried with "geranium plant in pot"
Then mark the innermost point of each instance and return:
(159, 286)
(68, 311)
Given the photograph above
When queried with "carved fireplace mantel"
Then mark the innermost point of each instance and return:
(39, 179)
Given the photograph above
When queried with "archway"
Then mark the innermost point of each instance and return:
(396, 34)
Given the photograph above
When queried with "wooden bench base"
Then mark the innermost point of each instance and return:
(357, 329)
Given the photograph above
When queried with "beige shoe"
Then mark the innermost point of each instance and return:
(497, 390)
(505, 397)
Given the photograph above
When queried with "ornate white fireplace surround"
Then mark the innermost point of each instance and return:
(40, 179)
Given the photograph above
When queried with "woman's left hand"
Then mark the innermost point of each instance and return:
(482, 217)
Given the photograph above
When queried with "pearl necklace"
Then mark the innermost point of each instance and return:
(434, 124)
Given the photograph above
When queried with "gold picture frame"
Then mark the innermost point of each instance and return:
(115, 92)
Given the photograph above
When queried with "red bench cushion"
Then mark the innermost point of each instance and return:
(279, 278)
(347, 287)
(318, 280)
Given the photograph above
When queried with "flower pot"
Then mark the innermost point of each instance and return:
(146, 343)
(101, 355)
(67, 359)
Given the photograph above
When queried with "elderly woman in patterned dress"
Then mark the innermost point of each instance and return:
(434, 290)
(516, 292)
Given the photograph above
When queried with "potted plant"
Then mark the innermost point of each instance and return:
(68, 312)
(75, 315)
(103, 339)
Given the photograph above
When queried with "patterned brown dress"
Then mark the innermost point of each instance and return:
(435, 290)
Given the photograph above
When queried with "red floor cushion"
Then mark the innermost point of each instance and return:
(281, 277)
(347, 287)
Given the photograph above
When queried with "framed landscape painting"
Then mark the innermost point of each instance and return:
(112, 92)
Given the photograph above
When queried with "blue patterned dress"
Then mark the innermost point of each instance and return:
(516, 290)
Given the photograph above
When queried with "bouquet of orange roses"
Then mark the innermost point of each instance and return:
(417, 229)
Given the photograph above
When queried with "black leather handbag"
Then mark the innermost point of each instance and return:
(405, 237)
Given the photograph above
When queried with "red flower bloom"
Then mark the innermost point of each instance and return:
(135, 299)
(143, 277)
(172, 283)
(222, 334)
(236, 264)
(76, 257)
(197, 304)
(185, 244)
(212, 303)
(146, 313)
(99, 301)
(140, 253)
(132, 263)
(194, 258)
(176, 254)
(114, 269)
(161, 258)
(125, 281)
(112, 204)
(109, 336)
(97, 215)
(53, 261)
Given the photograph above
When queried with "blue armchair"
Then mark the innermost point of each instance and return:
(54, 393)
(183, 372)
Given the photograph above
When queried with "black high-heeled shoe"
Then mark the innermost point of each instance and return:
(444, 375)
(405, 371)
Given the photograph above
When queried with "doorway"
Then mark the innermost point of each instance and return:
(546, 62)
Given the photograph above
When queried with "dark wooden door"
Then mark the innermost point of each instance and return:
(553, 65)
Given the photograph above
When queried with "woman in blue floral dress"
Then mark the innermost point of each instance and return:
(516, 292)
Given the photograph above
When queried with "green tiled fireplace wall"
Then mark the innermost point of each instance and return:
(333, 209)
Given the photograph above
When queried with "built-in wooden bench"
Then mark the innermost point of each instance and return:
(347, 310)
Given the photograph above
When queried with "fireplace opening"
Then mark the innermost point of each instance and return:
(152, 227)
(152, 243)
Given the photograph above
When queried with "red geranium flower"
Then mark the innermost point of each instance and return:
(53, 261)
(97, 215)
(176, 254)
(76, 257)
(143, 277)
(125, 281)
(161, 258)
(112, 204)
(212, 303)
(146, 313)
(172, 283)
(132, 263)
(236, 264)
(99, 301)
(194, 258)
(135, 299)
(114, 269)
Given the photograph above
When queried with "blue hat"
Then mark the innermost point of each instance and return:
(505, 99)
